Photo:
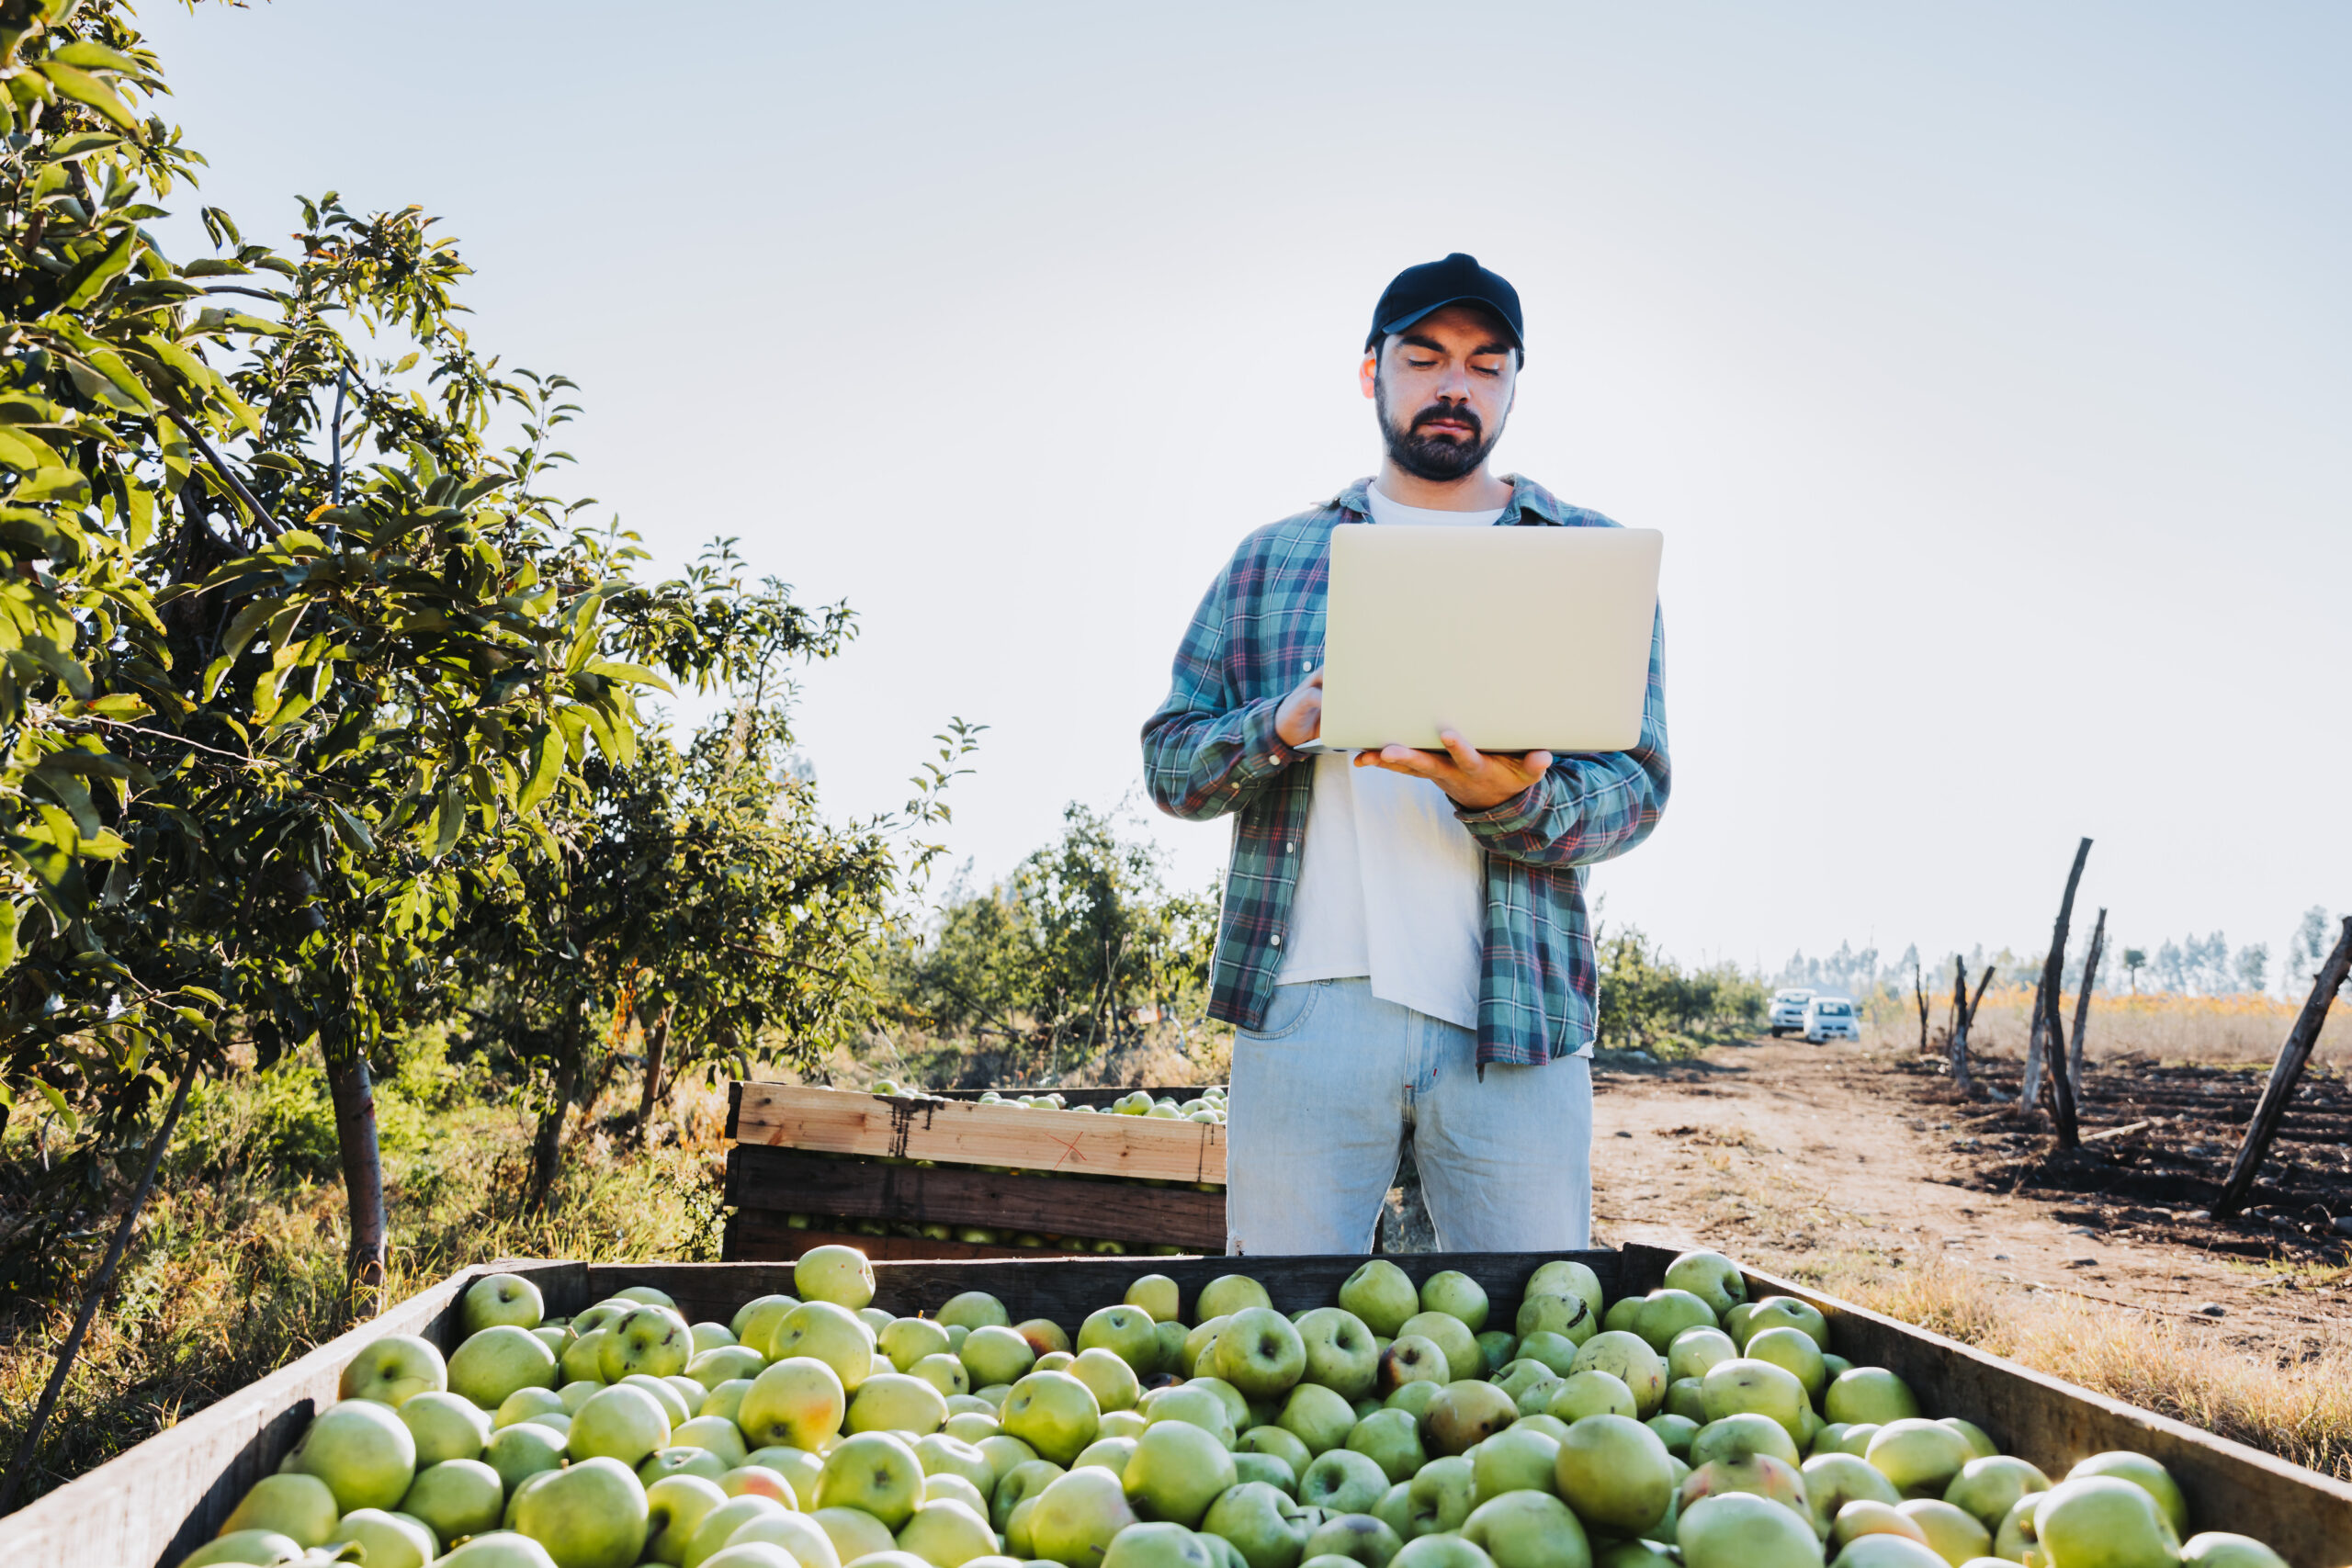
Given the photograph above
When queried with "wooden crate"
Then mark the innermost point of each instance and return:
(152, 1506)
(841, 1151)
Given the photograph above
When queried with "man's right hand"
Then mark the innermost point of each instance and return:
(1300, 717)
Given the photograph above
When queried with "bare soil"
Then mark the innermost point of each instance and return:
(1803, 1158)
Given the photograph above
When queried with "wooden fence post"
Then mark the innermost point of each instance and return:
(1956, 1037)
(2083, 1006)
(2286, 1073)
(1920, 987)
(2045, 1001)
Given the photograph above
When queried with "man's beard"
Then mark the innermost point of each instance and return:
(1438, 458)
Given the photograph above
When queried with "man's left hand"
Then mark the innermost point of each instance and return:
(1473, 780)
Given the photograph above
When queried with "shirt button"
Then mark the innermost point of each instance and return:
(1290, 849)
(1274, 942)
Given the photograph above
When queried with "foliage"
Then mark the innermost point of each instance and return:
(1647, 1002)
(1073, 952)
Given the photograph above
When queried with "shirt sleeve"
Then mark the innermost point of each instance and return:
(1205, 752)
(1592, 806)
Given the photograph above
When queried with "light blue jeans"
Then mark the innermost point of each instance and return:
(1324, 1098)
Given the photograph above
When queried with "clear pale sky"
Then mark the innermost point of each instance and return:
(1986, 368)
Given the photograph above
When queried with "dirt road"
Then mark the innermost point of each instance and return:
(1788, 1154)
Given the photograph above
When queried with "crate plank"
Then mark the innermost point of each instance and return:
(787, 1180)
(835, 1121)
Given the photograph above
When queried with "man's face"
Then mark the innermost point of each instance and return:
(1442, 390)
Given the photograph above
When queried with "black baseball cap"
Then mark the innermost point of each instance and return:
(1457, 280)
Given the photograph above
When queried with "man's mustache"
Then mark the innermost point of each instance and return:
(1459, 415)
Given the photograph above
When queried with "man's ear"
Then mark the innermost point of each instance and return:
(1368, 373)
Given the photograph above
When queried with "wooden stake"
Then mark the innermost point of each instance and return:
(1964, 1013)
(1919, 987)
(2083, 1006)
(2045, 1000)
(2286, 1073)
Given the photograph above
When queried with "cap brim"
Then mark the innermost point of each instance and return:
(1401, 322)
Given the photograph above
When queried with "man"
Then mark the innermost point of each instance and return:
(1403, 948)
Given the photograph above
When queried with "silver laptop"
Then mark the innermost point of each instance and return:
(1517, 638)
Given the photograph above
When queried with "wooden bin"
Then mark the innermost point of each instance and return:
(830, 1151)
(155, 1504)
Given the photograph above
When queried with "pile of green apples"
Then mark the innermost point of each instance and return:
(1395, 1428)
(1208, 1106)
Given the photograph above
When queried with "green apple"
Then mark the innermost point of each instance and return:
(1555, 1352)
(1832, 1481)
(1693, 1350)
(1260, 1352)
(828, 1332)
(946, 1535)
(1498, 1348)
(678, 1461)
(1177, 1471)
(1127, 1332)
(1342, 1481)
(1882, 1550)
(1463, 1358)
(1665, 1314)
(1411, 1358)
(1517, 1460)
(1616, 1473)
(1922, 1458)
(1283, 1444)
(1740, 1434)
(678, 1395)
(853, 1532)
(1516, 1377)
(1591, 1393)
(394, 1370)
(2220, 1549)
(1230, 1294)
(500, 1549)
(710, 1335)
(1793, 1351)
(754, 1319)
(626, 1424)
(1171, 1336)
(1619, 1319)
(1198, 1342)
(1774, 1311)
(650, 1340)
(726, 1400)
(494, 1362)
(2104, 1521)
(457, 1499)
(1528, 1529)
(1709, 1276)
(591, 1515)
(713, 1433)
(975, 1309)
(1953, 1533)
(1359, 1538)
(1987, 1488)
(1077, 1516)
(1053, 1413)
(525, 1403)
(1391, 1439)
(909, 1339)
(873, 1471)
(501, 1299)
(1675, 1432)
(1108, 1454)
(1266, 1528)
(389, 1541)
(1110, 1377)
(1439, 1551)
(1319, 1418)
(1685, 1396)
(1339, 1352)
(1739, 1530)
(1020, 1485)
(649, 1295)
(1463, 1413)
(1382, 1295)
(718, 1525)
(996, 1353)
(1856, 1439)
(1457, 1295)
(1413, 1397)
(1566, 1277)
(894, 1402)
(517, 1453)
(1161, 1545)
(445, 1426)
(1762, 1474)
(1119, 1422)
(1865, 1516)
(1439, 1497)
(970, 1419)
(362, 1450)
(1628, 1358)
(840, 1275)
(2145, 1473)
(1272, 1469)
(291, 1503)
(797, 1403)
(1745, 1385)
(1155, 1295)
(940, 1454)
(675, 1507)
(798, 1535)
(245, 1549)
(724, 1363)
(583, 1361)
(1980, 1441)
(1198, 1406)
(1566, 1316)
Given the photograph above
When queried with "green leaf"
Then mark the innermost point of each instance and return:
(546, 752)
(52, 484)
(637, 672)
(57, 1103)
(249, 621)
(82, 285)
(78, 84)
(449, 821)
(8, 914)
(352, 830)
(94, 56)
(22, 449)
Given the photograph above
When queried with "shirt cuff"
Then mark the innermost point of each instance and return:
(1262, 750)
(1516, 815)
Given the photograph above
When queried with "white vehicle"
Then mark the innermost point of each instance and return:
(1830, 1018)
(1787, 1010)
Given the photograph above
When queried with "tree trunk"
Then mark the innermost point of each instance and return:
(656, 1046)
(1957, 1039)
(1920, 986)
(2286, 1073)
(2045, 998)
(354, 1093)
(2083, 1005)
(547, 1150)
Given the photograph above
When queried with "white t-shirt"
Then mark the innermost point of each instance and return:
(1390, 886)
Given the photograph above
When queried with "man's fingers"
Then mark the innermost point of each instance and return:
(1316, 679)
(1536, 763)
(1465, 756)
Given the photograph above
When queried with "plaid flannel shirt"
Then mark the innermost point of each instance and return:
(1211, 749)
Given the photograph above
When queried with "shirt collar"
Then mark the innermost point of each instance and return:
(1528, 502)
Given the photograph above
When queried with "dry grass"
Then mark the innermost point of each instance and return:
(2216, 1031)
(2297, 1407)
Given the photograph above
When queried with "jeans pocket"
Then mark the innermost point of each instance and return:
(1290, 1009)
